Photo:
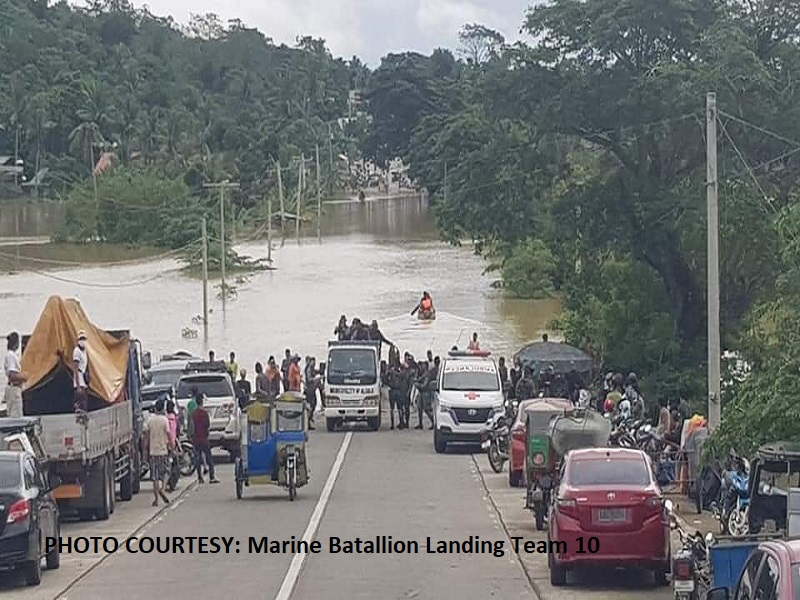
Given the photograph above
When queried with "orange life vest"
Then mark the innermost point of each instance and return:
(426, 304)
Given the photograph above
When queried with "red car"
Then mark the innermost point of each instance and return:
(771, 572)
(609, 512)
(516, 462)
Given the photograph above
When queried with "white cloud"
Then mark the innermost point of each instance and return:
(367, 28)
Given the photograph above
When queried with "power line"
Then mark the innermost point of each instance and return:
(68, 263)
(777, 136)
(96, 285)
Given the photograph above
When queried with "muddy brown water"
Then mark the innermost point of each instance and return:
(374, 260)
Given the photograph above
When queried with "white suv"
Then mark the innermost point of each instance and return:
(220, 402)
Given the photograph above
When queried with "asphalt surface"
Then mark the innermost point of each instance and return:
(389, 483)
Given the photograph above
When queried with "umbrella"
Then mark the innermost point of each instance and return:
(563, 357)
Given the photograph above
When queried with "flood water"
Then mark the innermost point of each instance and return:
(373, 262)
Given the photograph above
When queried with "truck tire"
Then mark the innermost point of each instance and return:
(374, 423)
(53, 558)
(330, 424)
(439, 443)
(33, 568)
(112, 484)
(126, 483)
(103, 511)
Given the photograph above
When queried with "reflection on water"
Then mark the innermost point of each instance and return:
(30, 219)
(374, 261)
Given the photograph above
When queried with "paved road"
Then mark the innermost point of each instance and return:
(390, 483)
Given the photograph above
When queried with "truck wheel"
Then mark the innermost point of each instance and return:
(330, 424)
(112, 484)
(103, 511)
(33, 568)
(53, 558)
(439, 443)
(126, 485)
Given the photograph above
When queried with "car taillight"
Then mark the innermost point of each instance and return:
(568, 507)
(19, 511)
(681, 569)
(654, 504)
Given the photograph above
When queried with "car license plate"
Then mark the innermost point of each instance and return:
(612, 515)
(485, 444)
(683, 585)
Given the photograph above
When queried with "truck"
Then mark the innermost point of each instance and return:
(353, 386)
(89, 452)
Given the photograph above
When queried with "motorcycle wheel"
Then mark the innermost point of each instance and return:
(495, 460)
(737, 523)
(186, 458)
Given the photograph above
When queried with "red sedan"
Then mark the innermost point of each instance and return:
(771, 572)
(608, 512)
(516, 462)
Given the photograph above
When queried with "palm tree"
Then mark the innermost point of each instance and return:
(150, 133)
(126, 122)
(94, 115)
(19, 107)
(40, 124)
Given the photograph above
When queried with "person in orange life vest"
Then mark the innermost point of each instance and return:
(295, 375)
(474, 345)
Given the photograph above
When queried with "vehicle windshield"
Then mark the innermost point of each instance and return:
(352, 364)
(10, 473)
(608, 472)
(165, 376)
(213, 387)
(470, 377)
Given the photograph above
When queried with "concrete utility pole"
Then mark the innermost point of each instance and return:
(445, 181)
(280, 198)
(222, 186)
(299, 192)
(205, 277)
(714, 349)
(319, 201)
(269, 229)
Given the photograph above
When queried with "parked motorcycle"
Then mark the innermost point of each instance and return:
(691, 564)
(733, 508)
(494, 440)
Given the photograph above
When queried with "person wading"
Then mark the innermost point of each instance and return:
(14, 376)
(202, 451)
(159, 443)
(80, 369)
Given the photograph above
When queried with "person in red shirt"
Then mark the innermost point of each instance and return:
(202, 424)
(295, 375)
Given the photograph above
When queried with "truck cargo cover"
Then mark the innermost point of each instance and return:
(53, 340)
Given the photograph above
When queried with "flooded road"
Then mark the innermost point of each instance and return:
(373, 262)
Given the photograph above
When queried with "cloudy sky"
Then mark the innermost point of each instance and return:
(367, 28)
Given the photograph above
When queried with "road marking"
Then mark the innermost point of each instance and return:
(290, 580)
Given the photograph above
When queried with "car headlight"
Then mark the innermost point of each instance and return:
(371, 400)
(443, 408)
(333, 401)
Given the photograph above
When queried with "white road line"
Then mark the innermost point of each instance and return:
(287, 587)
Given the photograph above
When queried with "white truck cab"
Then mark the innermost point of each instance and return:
(469, 394)
(353, 383)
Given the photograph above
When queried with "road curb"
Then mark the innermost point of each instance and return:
(102, 559)
(528, 576)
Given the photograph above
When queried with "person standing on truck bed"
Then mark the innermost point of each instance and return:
(202, 451)
(342, 331)
(295, 377)
(287, 360)
(160, 441)
(358, 332)
(80, 367)
(211, 356)
(15, 377)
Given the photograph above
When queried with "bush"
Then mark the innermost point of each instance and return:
(528, 271)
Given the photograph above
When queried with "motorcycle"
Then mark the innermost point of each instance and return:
(691, 564)
(733, 514)
(494, 440)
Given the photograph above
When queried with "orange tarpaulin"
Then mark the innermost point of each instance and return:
(53, 340)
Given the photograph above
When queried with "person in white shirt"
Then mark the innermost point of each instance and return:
(80, 363)
(14, 376)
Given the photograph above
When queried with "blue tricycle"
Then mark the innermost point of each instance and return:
(273, 444)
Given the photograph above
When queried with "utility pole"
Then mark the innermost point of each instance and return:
(714, 349)
(280, 197)
(319, 201)
(222, 186)
(445, 181)
(299, 191)
(205, 277)
(269, 228)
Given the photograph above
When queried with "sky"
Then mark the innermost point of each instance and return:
(369, 29)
